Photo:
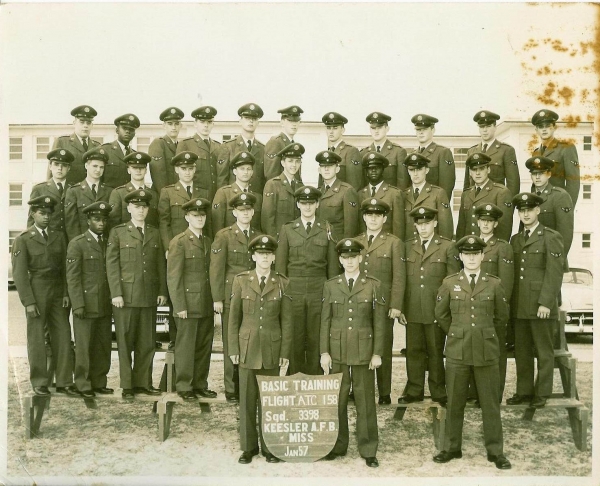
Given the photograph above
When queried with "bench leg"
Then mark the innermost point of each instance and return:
(205, 408)
(529, 413)
(438, 416)
(165, 414)
(90, 403)
(33, 412)
(399, 413)
(578, 418)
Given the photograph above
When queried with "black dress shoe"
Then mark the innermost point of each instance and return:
(158, 344)
(332, 455)
(232, 397)
(187, 395)
(87, 393)
(246, 457)
(271, 459)
(146, 390)
(518, 399)
(104, 391)
(539, 402)
(351, 395)
(474, 402)
(403, 352)
(409, 399)
(372, 461)
(205, 392)
(442, 401)
(385, 400)
(127, 393)
(500, 461)
(510, 347)
(446, 456)
(41, 391)
(68, 390)
(171, 344)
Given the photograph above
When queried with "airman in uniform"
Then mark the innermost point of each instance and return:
(351, 170)
(162, 149)
(429, 259)
(250, 114)
(242, 165)
(470, 306)
(260, 337)
(88, 191)
(137, 165)
(484, 191)
(354, 311)
(290, 121)
(307, 256)
(422, 193)
(230, 256)
(394, 174)
(116, 174)
(565, 173)
(539, 259)
(442, 171)
(136, 268)
(279, 205)
(38, 263)
(87, 283)
(383, 258)
(60, 162)
(339, 204)
(503, 164)
(78, 143)
(188, 264)
(205, 148)
(375, 164)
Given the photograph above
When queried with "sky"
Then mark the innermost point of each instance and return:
(446, 60)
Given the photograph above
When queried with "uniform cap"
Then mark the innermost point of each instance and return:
(416, 160)
(204, 113)
(422, 121)
(244, 199)
(373, 205)
(488, 211)
(307, 193)
(477, 160)
(184, 158)
(539, 163)
(423, 213)
(349, 245)
(128, 120)
(526, 200)
(484, 118)
(378, 118)
(334, 119)
(251, 110)
(97, 153)
(137, 158)
(140, 196)
(171, 113)
(42, 202)
(197, 204)
(99, 207)
(294, 150)
(263, 244)
(328, 158)
(242, 158)
(84, 112)
(291, 112)
(544, 116)
(470, 243)
(373, 159)
(61, 155)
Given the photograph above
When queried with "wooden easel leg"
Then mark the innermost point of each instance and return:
(529, 413)
(37, 407)
(435, 425)
(165, 414)
(28, 416)
(578, 418)
(90, 403)
(399, 413)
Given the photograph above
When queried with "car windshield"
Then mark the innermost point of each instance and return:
(578, 276)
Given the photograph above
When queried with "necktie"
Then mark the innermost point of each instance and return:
(60, 189)
(249, 145)
(416, 195)
(101, 243)
(292, 141)
(85, 144)
(308, 227)
(477, 190)
(542, 149)
(371, 239)
(246, 233)
(206, 141)
(539, 193)
(100, 239)
(326, 188)
(378, 148)
(245, 189)
(293, 184)
(527, 232)
(94, 191)
(189, 190)
(350, 283)
(421, 149)
(423, 246)
(472, 280)
(45, 235)
(332, 149)
(262, 282)
(485, 145)
(175, 142)
(372, 191)
(127, 150)
(141, 231)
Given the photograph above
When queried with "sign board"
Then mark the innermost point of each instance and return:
(300, 415)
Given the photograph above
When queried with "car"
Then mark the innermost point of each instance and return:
(11, 280)
(162, 324)
(577, 301)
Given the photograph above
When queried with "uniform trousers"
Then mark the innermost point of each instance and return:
(192, 352)
(538, 333)
(457, 383)
(136, 333)
(363, 386)
(425, 352)
(384, 372)
(249, 405)
(307, 300)
(228, 366)
(93, 343)
(502, 360)
(48, 297)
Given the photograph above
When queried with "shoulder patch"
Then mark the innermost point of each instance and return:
(446, 205)
(355, 162)
(449, 162)
(556, 255)
(353, 203)
(566, 210)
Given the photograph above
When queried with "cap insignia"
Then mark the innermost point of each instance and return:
(86, 109)
(62, 152)
(482, 114)
(331, 115)
(252, 107)
(244, 155)
(326, 155)
(488, 207)
(537, 161)
(421, 211)
(142, 193)
(198, 203)
(375, 115)
(102, 151)
(296, 147)
(476, 156)
(372, 156)
(207, 110)
(47, 200)
(138, 156)
(420, 118)
(307, 191)
(348, 243)
(243, 197)
(187, 156)
(414, 157)
(102, 206)
(131, 117)
(295, 110)
(172, 110)
(471, 240)
(542, 113)
(525, 197)
(373, 201)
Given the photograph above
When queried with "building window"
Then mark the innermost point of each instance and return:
(42, 147)
(587, 191)
(586, 240)
(15, 194)
(11, 238)
(456, 195)
(142, 144)
(16, 149)
(460, 156)
(587, 142)
(100, 140)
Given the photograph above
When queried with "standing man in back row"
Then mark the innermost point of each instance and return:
(290, 121)
(115, 173)
(162, 149)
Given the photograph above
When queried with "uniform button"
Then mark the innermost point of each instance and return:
(473, 324)
(422, 285)
(350, 328)
(260, 317)
(472, 316)
(349, 318)
(422, 276)
(472, 308)
(260, 327)
(349, 302)
(422, 268)
(522, 261)
(145, 272)
(349, 310)
(521, 277)
(524, 251)
(366, 263)
(261, 307)
(261, 299)
(522, 269)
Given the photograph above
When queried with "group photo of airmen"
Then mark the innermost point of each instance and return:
(303, 278)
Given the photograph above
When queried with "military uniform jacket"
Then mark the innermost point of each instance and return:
(260, 322)
(424, 275)
(339, 207)
(230, 149)
(34, 258)
(206, 165)
(162, 150)
(115, 170)
(278, 205)
(351, 170)
(352, 321)
(503, 166)
(442, 171)
(395, 199)
(188, 264)
(491, 192)
(470, 318)
(565, 173)
(119, 213)
(70, 142)
(272, 162)
(385, 261)
(171, 216)
(538, 272)
(222, 210)
(306, 255)
(433, 197)
(557, 212)
(498, 260)
(57, 218)
(86, 276)
(394, 174)
(76, 199)
(229, 257)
